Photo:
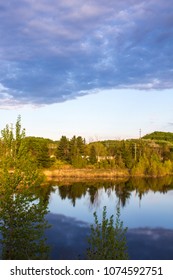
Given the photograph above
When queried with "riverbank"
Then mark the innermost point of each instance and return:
(84, 173)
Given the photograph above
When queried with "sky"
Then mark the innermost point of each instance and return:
(100, 69)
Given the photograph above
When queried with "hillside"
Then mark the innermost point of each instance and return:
(159, 135)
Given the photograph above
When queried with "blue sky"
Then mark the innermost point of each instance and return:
(101, 69)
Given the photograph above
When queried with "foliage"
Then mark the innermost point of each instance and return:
(77, 152)
(62, 152)
(72, 151)
(12, 147)
(38, 148)
(152, 166)
(107, 240)
(100, 149)
(22, 213)
(159, 135)
(106, 164)
(93, 155)
(22, 225)
(151, 155)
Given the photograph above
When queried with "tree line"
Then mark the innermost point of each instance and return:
(144, 156)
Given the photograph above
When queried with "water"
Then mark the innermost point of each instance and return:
(146, 207)
(154, 209)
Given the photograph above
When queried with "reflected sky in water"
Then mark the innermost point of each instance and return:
(154, 209)
(146, 209)
(67, 239)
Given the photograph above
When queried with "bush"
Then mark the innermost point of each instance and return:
(107, 241)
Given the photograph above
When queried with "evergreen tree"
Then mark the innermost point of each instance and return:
(63, 149)
(81, 145)
(93, 156)
(77, 151)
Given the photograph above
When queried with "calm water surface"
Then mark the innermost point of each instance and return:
(146, 209)
(154, 209)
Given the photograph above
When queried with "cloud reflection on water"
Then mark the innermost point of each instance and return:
(68, 240)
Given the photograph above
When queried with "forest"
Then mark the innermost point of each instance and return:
(150, 155)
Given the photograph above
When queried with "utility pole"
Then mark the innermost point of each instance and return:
(135, 150)
(11, 127)
(140, 142)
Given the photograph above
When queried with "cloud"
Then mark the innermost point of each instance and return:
(53, 51)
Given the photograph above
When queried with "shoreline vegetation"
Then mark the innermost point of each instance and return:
(148, 156)
(85, 174)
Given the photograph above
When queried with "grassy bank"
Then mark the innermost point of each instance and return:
(83, 174)
(73, 173)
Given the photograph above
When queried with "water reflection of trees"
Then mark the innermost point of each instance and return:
(81, 189)
(93, 190)
(23, 210)
(122, 189)
(93, 194)
(144, 185)
(72, 192)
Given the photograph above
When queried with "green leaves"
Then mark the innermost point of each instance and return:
(107, 240)
(22, 221)
(22, 226)
(72, 151)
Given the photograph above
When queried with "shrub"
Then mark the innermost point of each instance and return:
(108, 238)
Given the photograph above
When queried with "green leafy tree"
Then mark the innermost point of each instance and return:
(12, 142)
(108, 238)
(21, 214)
(22, 225)
(128, 153)
(100, 149)
(38, 148)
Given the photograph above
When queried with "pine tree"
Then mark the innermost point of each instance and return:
(93, 156)
(63, 149)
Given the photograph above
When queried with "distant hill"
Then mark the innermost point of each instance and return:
(159, 135)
